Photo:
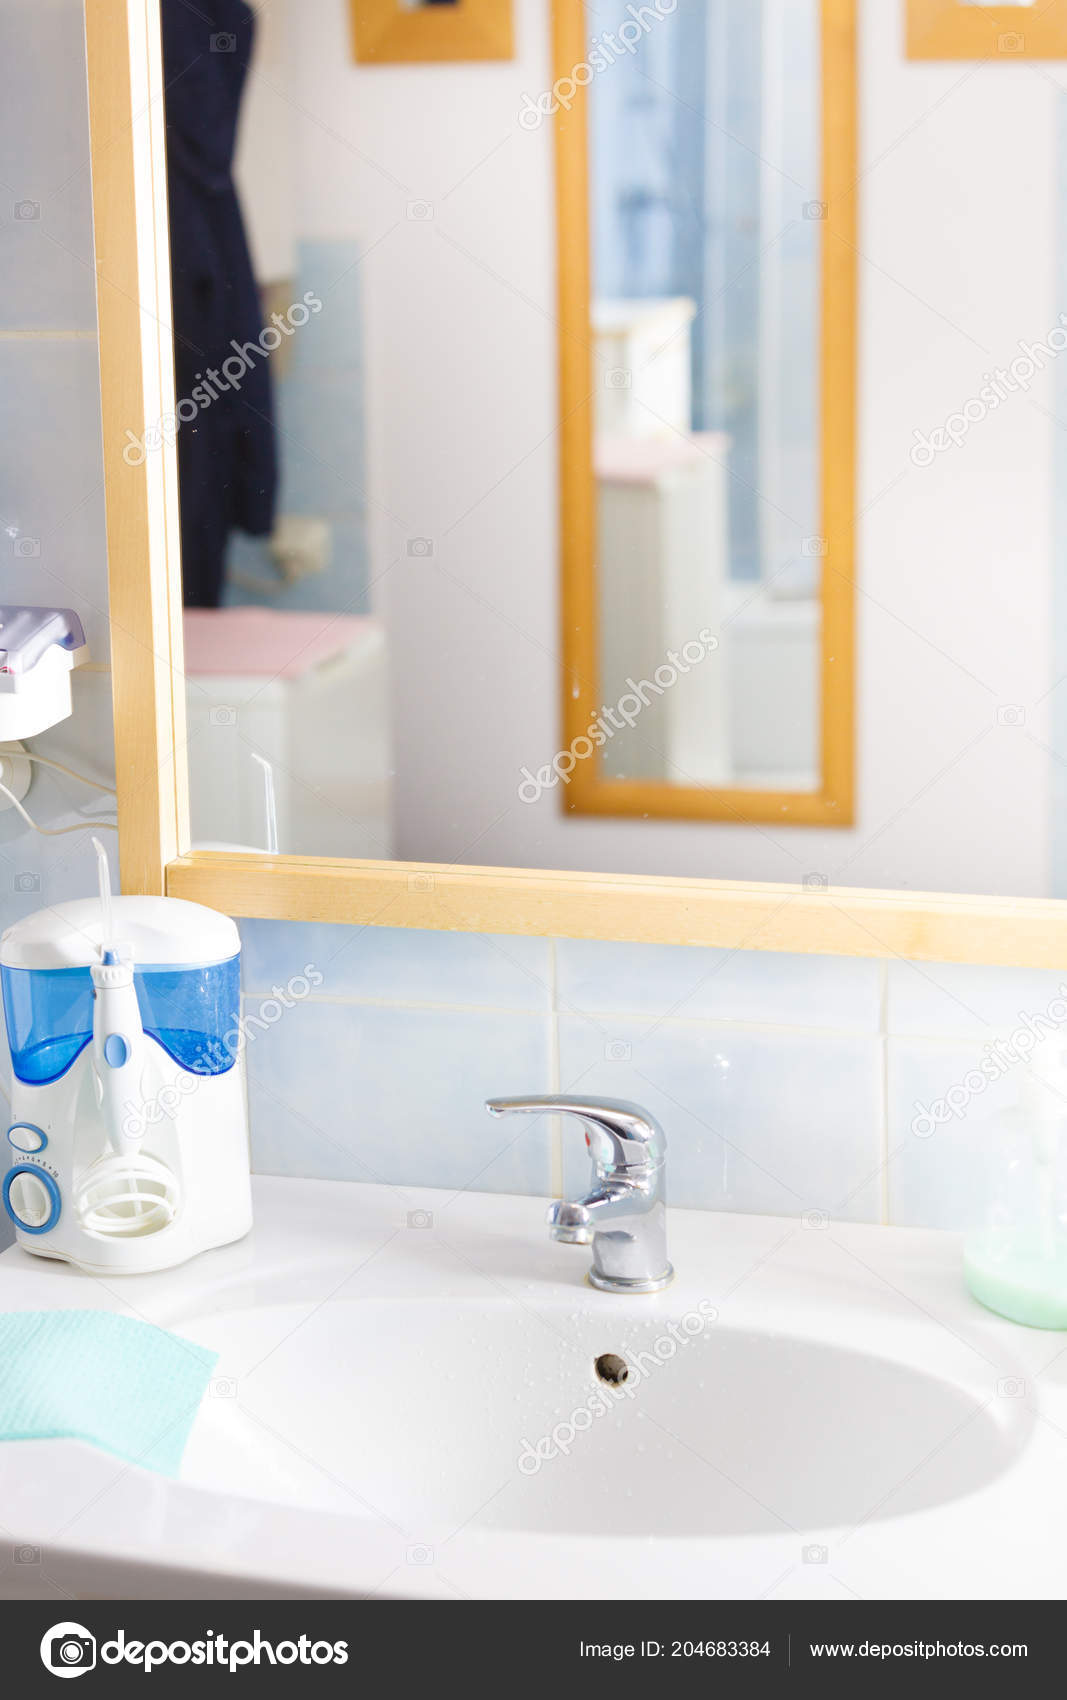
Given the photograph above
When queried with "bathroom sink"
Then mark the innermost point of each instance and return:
(418, 1394)
(489, 1420)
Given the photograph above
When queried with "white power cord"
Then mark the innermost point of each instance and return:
(55, 831)
(45, 761)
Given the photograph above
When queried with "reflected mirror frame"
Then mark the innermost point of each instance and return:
(388, 32)
(589, 793)
(949, 29)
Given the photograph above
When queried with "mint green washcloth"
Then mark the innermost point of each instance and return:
(123, 1385)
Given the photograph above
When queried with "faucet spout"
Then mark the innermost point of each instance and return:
(578, 1223)
(570, 1223)
(623, 1216)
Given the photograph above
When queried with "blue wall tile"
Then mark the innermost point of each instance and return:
(955, 999)
(397, 965)
(780, 1124)
(358, 1092)
(727, 985)
(941, 1171)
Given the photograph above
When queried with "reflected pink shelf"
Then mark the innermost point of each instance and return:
(249, 642)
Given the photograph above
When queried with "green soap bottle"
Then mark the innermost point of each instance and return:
(1016, 1264)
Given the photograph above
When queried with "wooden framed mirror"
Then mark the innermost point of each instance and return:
(455, 235)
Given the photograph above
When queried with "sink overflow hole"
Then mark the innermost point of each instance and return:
(612, 1369)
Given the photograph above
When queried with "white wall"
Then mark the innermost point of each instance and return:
(52, 540)
(956, 265)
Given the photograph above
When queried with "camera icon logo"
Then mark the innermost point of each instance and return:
(420, 210)
(222, 715)
(68, 1649)
(420, 1218)
(1011, 42)
(816, 1220)
(617, 1050)
(27, 212)
(420, 882)
(816, 882)
(27, 547)
(420, 1555)
(814, 209)
(420, 548)
(1011, 714)
(1011, 1387)
(619, 378)
(223, 1387)
(27, 882)
(815, 1554)
(224, 42)
(813, 546)
(27, 1555)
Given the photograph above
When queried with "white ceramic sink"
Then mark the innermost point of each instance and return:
(736, 1433)
(402, 1409)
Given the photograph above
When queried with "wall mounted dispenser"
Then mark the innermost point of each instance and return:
(39, 648)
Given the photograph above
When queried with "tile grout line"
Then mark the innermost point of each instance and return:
(807, 1030)
(555, 1174)
(883, 1096)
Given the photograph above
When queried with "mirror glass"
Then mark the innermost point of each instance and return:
(704, 239)
(374, 457)
(704, 147)
(285, 651)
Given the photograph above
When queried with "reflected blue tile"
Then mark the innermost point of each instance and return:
(320, 442)
(333, 337)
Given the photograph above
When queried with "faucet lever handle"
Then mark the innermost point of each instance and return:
(634, 1139)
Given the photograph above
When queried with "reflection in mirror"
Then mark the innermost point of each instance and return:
(285, 660)
(704, 149)
(287, 205)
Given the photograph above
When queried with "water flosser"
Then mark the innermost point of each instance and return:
(118, 1036)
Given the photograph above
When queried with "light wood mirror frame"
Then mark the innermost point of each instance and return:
(386, 32)
(947, 29)
(144, 574)
(588, 791)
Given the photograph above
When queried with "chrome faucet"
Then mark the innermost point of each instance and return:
(623, 1216)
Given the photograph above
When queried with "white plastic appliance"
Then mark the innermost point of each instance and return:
(39, 648)
(128, 1144)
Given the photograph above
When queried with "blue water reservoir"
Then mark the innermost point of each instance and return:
(191, 1011)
